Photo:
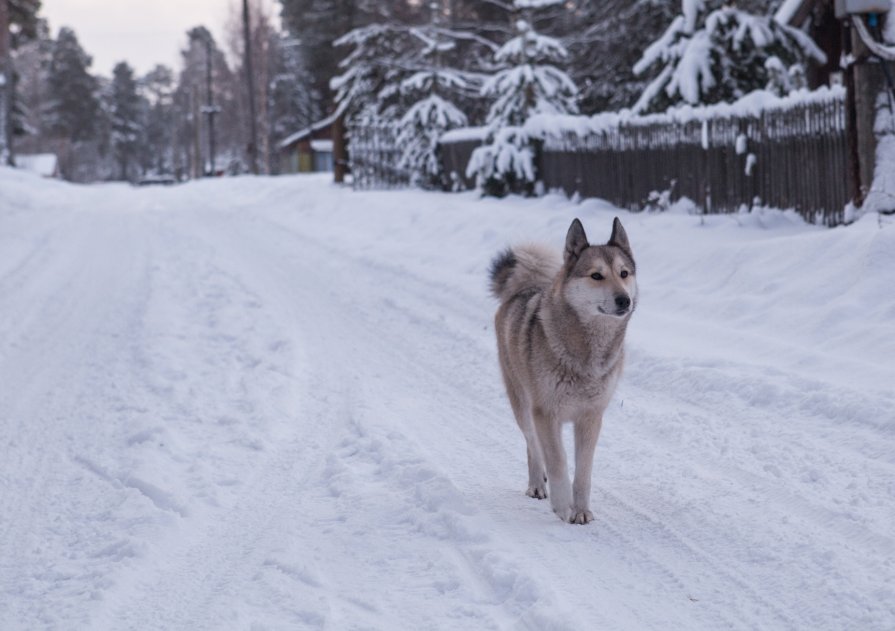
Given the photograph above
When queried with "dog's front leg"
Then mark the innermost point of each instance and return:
(550, 436)
(587, 431)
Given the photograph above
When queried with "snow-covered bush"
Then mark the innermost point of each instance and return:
(712, 54)
(419, 130)
(530, 83)
(504, 165)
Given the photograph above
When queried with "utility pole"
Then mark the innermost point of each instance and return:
(247, 36)
(209, 109)
(5, 85)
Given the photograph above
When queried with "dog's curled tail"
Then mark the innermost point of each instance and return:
(502, 267)
(522, 268)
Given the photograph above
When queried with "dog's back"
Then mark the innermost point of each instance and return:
(528, 268)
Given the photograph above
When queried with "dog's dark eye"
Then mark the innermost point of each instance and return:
(624, 274)
(597, 276)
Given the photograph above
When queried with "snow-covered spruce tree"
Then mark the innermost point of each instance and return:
(424, 122)
(370, 85)
(714, 53)
(529, 83)
(433, 112)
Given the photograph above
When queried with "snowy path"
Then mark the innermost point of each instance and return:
(273, 404)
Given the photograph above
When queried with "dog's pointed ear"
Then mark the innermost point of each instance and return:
(576, 241)
(619, 238)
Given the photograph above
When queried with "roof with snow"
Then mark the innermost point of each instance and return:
(308, 131)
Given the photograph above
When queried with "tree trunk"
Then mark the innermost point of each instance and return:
(340, 155)
(5, 85)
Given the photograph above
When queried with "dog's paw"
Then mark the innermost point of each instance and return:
(581, 517)
(537, 492)
(564, 514)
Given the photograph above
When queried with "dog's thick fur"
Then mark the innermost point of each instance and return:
(560, 338)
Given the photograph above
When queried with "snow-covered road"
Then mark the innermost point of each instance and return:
(275, 404)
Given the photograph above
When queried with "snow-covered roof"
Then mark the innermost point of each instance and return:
(307, 131)
(322, 145)
(41, 163)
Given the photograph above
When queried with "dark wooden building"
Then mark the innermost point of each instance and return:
(309, 150)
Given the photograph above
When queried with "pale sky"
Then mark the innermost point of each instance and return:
(141, 32)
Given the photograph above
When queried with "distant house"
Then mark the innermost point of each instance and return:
(43, 164)
(309, 150)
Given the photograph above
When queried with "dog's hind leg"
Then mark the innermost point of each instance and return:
(537, 475)
(550, 438)
(587, 431)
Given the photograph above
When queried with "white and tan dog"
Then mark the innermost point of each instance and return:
(560, 337)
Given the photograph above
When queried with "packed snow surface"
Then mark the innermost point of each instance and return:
(275, 404)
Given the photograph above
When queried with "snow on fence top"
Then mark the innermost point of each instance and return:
(464, 134)
(750, 106)
(563, 126)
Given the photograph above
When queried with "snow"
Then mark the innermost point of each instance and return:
(273, 403)
(465, 134)
(44, 164)
(324, 146)
(753, 104)
(881, 196)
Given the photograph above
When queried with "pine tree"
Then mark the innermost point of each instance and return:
(432, 91)
(370, 85)
(157, 87)
(31, 62)
(713, 53)
(18, 23)
(528, 83)
(424, 123)
(316, 25)
(127, 120)
(73, 109)
(292, 102)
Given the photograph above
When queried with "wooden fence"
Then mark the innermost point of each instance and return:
(785, 157)
(373, 156)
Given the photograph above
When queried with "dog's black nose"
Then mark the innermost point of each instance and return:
(622, 301)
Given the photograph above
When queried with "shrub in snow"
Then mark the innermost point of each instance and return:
(504, 165)
(528, 84)
(712, 55)
(419, 131)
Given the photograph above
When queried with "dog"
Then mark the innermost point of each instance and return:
(560, 338)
